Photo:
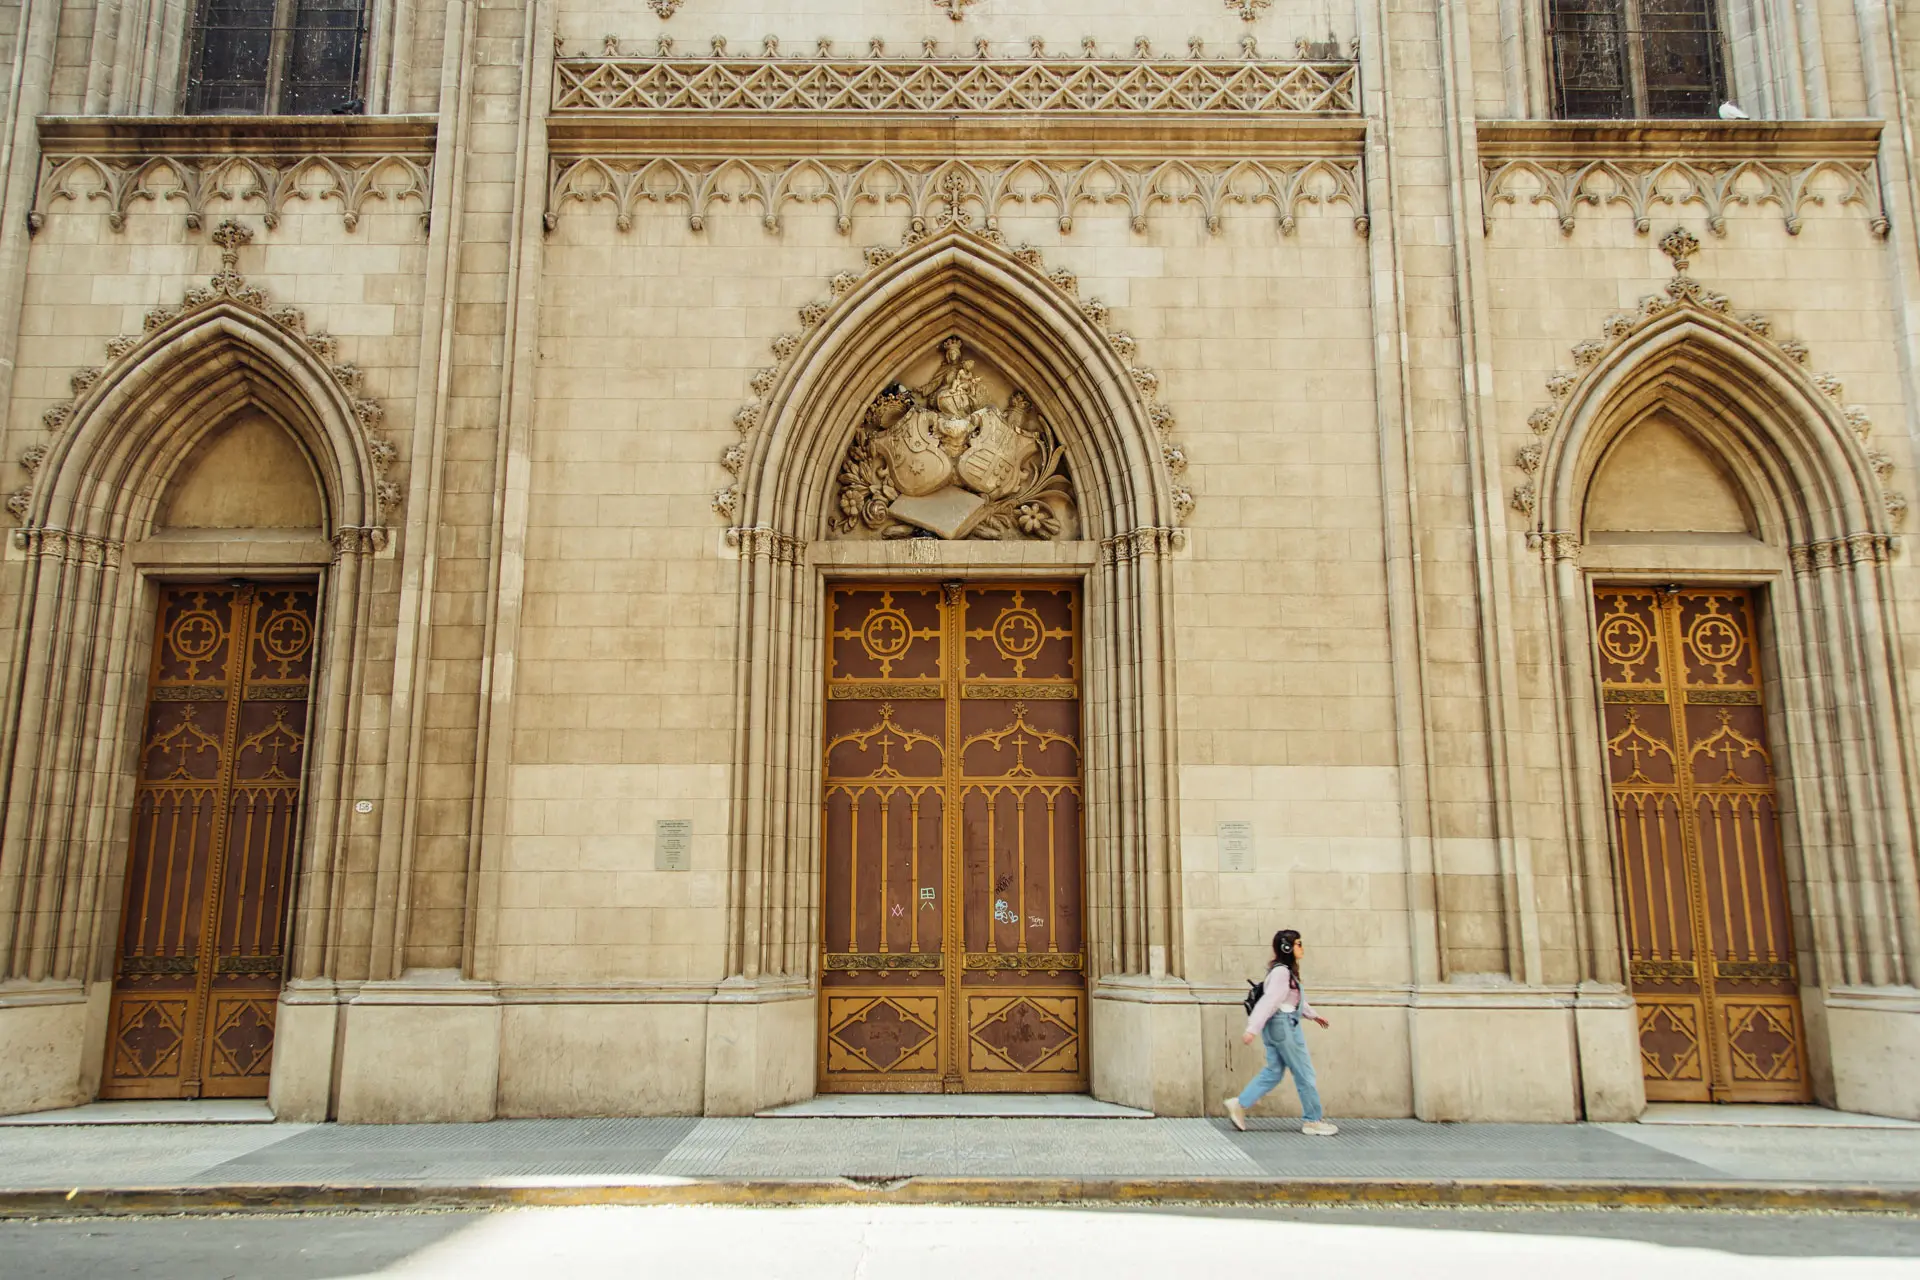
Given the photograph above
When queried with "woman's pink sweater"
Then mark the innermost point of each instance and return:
(1278, 997)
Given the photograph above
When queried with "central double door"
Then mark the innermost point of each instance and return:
(952, 922)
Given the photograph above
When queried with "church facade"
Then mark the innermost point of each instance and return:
(667, 558)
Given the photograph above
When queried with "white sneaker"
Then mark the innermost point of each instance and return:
(1319, 1128)
(1237, 1114)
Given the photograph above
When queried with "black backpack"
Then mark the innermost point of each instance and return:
(1257, 989)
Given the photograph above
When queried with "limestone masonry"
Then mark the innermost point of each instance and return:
(663, 558)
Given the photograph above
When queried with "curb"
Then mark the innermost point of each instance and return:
(770, 1192)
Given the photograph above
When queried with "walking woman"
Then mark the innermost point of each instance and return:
(1276, 1020)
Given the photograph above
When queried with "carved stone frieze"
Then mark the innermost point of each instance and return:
(942, 191)
(1142, 544)
(197, 183)
(1682, 292)
(73, 548)
(941, 459)
(1718, 186)
(1186, 86)
(226, 287)
(1056, 500)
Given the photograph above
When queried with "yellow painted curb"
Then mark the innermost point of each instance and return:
(515, 1193)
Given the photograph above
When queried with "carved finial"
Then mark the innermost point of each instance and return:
(1680, 245)
(230, 235)
(770, 46)
(1036, 46)
(1248, 48)
(1142, 48)
(876, 47)
(823, 47)
(559, 45)
(980, 49)
(1196, 48)
(719, 46)
(928, 46)
(611, 45)
(664, 46)
(1088, 48)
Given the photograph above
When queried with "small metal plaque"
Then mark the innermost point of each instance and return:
(1236, 846)
(673, 844)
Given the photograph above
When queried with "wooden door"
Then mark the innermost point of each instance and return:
(216, 813)
(1710, 949)
(953, 944)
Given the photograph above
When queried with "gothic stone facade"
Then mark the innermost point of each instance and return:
(1433, 488)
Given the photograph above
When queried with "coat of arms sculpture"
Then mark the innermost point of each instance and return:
(940, 461)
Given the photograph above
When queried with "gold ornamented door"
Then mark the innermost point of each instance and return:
(1710, 948)
(953, 943)
(216, 810)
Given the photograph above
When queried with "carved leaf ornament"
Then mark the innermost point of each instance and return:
(228, 286)
(941, 460)
(1682, 292)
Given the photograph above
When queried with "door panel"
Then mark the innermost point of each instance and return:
(216, 811)
(913, 737)
(1701, 879)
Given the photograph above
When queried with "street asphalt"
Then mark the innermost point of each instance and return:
(933, 1243)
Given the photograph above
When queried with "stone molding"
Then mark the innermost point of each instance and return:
(766, 543)
(879, 83)
(198, 162)
(70, 548)
(1143, 544)
(1714, 164)
(228, 288)
(1682, 293)
(943, 189)
(1833, 553)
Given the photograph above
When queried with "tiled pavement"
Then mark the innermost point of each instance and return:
(124, 1156)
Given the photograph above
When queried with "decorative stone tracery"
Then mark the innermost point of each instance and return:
(933, 188)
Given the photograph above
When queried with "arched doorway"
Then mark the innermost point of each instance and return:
(1110, 552)
(1715, 547)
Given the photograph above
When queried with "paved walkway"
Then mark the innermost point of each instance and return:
(590, 1153)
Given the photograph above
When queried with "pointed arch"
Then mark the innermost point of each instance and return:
(104, 474)
(1058, 351)
(1805, 472)
(1007, 309)
(75, 689)
(1802, 464)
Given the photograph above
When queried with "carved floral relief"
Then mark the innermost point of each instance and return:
(943, 460)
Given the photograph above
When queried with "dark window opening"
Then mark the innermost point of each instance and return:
(1623, 59)
(278, 57)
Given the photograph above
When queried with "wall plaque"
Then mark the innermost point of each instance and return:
(1236, 846)
(673, 844)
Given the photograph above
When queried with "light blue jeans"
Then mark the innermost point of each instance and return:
(1286, 1051)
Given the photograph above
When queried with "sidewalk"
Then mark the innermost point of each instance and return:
(170, 1167)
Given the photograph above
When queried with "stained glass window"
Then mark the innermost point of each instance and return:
(290, 57)
(1622, 59)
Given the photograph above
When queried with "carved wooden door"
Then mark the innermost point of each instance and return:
(953, 946)
(216, 813)
(1710, 948)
